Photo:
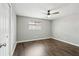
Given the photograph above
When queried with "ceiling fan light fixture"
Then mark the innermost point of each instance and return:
(48, 16)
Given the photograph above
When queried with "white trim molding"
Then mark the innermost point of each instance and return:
(65, 41)
(32, 40)
(48, 38)
(13, 49)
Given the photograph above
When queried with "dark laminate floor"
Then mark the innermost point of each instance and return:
(47, 47)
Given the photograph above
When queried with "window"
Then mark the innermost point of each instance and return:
(34, 25)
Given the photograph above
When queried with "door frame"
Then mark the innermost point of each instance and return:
(10, 53)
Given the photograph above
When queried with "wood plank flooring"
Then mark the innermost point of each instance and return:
(46, 47)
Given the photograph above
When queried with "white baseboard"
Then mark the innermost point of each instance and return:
(66, 41)
(13, 49)
(48, 38)
(32, 40)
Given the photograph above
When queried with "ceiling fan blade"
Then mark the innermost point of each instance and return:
(55, 13)
(59, 7)
(44, 13)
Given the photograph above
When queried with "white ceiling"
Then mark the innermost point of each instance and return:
(36, 10)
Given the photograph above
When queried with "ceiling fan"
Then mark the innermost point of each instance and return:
(49, 13)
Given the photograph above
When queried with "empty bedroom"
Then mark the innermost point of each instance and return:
(39, 29)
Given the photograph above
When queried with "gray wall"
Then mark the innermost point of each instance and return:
(64, 29)
(25, 34)
(67, 28)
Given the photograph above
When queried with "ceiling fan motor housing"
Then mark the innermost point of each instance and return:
(48, 12)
